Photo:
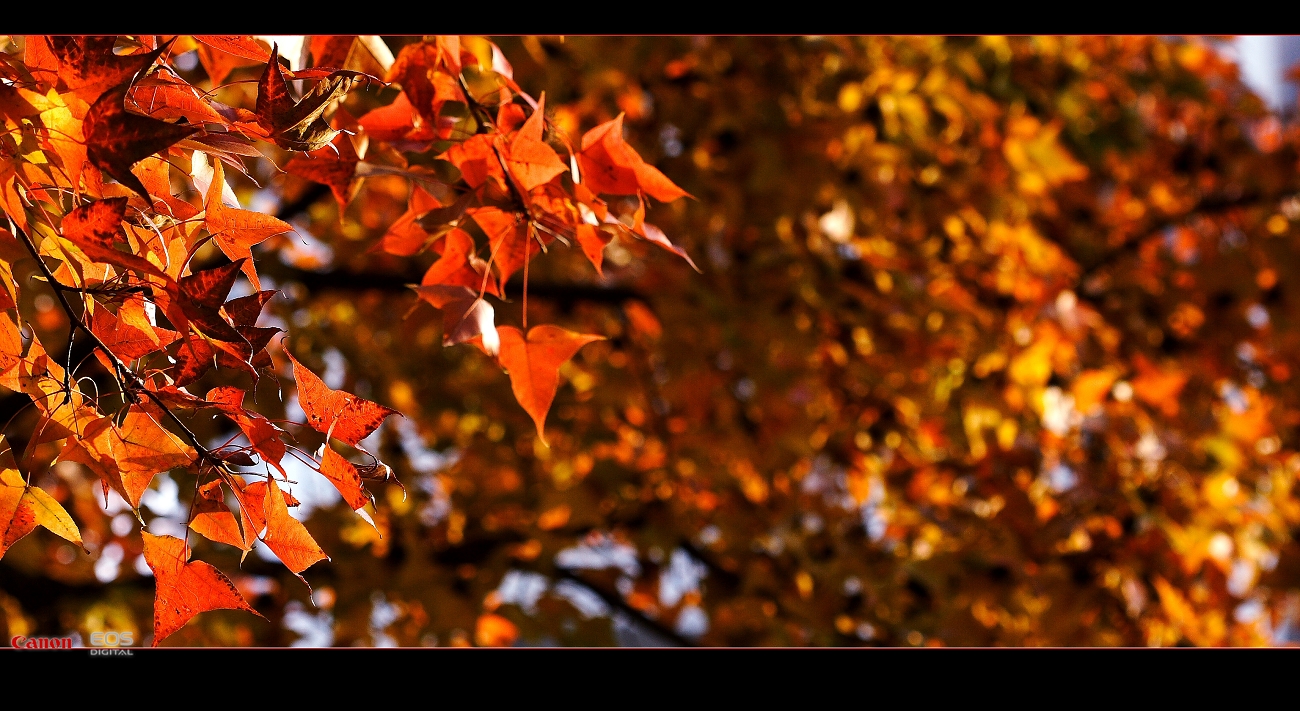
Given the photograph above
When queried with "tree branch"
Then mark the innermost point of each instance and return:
(617, 602)
(129, 382)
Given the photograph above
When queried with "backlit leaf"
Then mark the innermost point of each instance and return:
(534, 364)
(185, 588)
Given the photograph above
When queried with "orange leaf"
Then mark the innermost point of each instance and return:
(331, 50)
(334, 165)
(236, 231)
(394, 122)
(341, 414)
(263, 435)
(531, 161)
(39, 58)
(252, 505)
(243, 46)
(422, 71)
(129, 456)
(345, 477)
(209, 288)
(214, 521)
(534, 364)
(593, 242)
(464, 317)
(476, 159)
(64, 123)
(17, 519)
(127, 340)
(185, 589)
(458, 265)
(163, 98)
(96, 228)
(509, 239)
(245, 310)
(405, 236)
(610, 165)
(143, 448)
(286, 536)
(656, 235)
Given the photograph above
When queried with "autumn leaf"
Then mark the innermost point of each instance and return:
(534, 364)
(263, 436)
(234, 230)
(331, 50)
(243, 46)
(117, 139)
(221, 54)
(298, 125)
(422, 69)
(405, 236)
(184, 588)
(162, 98)
(459, 265)
(394, 122)
(531, 161)
(509, 238)
(245, 310)
(593, 241)
(89, 67)
(129, 338)
(477, 160)
(465, 317)
(286, 536)
(335, 412)
(128, 456)
(656, 235)
(213, 520)
(63, 118)
(208, 288)
(45, 511)
(194, 358)
(334, 165)
(97, 228)
(345, 477)
(610, 165)
(17, 517)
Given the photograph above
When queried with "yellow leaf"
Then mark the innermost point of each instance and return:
(51, 515)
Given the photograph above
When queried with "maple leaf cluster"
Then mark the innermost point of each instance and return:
(98, 206)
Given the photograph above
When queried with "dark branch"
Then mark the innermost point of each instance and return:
(617, 602)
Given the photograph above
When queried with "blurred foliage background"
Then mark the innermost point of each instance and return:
(993, 343)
